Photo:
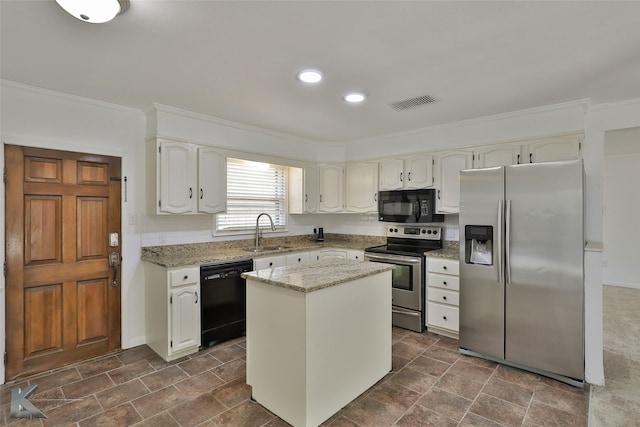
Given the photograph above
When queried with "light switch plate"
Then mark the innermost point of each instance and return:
(113, 240)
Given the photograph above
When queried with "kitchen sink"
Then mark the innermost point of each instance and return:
(267, 249)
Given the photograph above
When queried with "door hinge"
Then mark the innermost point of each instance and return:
(6, 358)
(4, 269)
(171, 299)
(159, 148)
(4, 175)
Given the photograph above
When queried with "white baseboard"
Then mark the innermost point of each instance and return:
(623, 285)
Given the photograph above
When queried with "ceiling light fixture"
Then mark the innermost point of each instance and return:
(310, 76)
(94, 11)
(354, 97)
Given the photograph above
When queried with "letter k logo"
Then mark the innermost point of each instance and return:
(21, 407)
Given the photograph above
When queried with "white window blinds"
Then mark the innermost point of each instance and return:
(253, 188)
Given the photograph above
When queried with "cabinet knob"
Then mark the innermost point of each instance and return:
(185, 277)
(270, 264)
(444, 298)
(299, 259)
(444, 267)
(444, 283)
(444, 317)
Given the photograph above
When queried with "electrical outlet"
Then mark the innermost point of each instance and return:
(133, 219)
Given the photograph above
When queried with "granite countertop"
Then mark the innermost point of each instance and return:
(317, 275)
(451, 250)
(236, 250)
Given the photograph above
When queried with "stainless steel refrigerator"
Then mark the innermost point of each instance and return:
(521, 267)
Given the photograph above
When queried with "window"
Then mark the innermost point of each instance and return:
(253, 188)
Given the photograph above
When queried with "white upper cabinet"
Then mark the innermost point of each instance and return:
(177, 177)
(185, 178)
(448, 166)
(552, 149)
(212, 180)
(407, 173)
(330, 188)
(362, 187)
(303, 190)
(496, 155)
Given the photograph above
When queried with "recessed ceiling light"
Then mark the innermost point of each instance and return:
(354, 97)
(94, 11)
(310, 76)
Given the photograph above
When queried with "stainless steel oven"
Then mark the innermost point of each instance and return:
(405, 248)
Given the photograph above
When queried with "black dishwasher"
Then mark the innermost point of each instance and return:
(223, 304)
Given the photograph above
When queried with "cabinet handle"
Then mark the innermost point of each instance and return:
(196, 297)
(530, 157)
(201, 194)
(190, 192)
(401, 176)
(321, 198)
(518, 159)
(375, 197)
(438, 194)
(409, 177)
(306, 198)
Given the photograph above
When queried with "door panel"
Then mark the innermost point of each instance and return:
(43, 312)
(42, 229)
(61, 304)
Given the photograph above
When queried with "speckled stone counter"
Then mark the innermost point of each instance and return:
(317, 275)
(451, 250)
(235, 250)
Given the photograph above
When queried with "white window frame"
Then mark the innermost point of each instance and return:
(237, 194)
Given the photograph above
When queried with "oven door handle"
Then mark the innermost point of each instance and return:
(392, 259)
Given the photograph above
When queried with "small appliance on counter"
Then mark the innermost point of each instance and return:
(320, 235)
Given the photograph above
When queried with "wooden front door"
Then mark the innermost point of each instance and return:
(62, 299)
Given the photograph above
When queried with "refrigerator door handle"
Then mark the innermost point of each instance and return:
(507, 241)
(500, 239)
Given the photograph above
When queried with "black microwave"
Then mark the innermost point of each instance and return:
(412, 206)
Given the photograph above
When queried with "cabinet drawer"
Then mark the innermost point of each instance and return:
(443, 296)
(443, 316)
(184, 276)
(443, 281)
(444, 266)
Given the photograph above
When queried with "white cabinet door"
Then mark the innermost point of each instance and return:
(553, 149)
(311, 189)
(330, 254)
(177, 175)
(496, 155)
(391, 174)
(409, 173)
(212, 180)
(268, 262)
(185, 318)
(448, 167)
(296, 258)
(418, 172)
(362, 187)
(330, 188)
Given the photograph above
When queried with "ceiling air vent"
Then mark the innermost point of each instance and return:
(413, 102)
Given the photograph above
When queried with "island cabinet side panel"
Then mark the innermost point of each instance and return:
(276, 329)
(157, 309)
(348, 342)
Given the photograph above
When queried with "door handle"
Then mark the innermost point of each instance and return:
(114, 261)
(500, 239)
(507, 243)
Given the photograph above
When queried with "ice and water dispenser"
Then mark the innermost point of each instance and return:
(478, 244)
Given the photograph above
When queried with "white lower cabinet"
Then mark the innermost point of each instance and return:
(172, 310)
(296, 258)
(269, 262)
(443, 284)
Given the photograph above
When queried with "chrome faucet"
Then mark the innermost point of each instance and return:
(273, 227)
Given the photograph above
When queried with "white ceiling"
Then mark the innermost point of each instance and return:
(237, 60)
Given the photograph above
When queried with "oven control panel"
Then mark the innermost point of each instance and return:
(414, 232)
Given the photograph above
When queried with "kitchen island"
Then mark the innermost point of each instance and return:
(318, 336)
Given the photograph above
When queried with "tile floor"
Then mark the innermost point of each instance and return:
(431, 385)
